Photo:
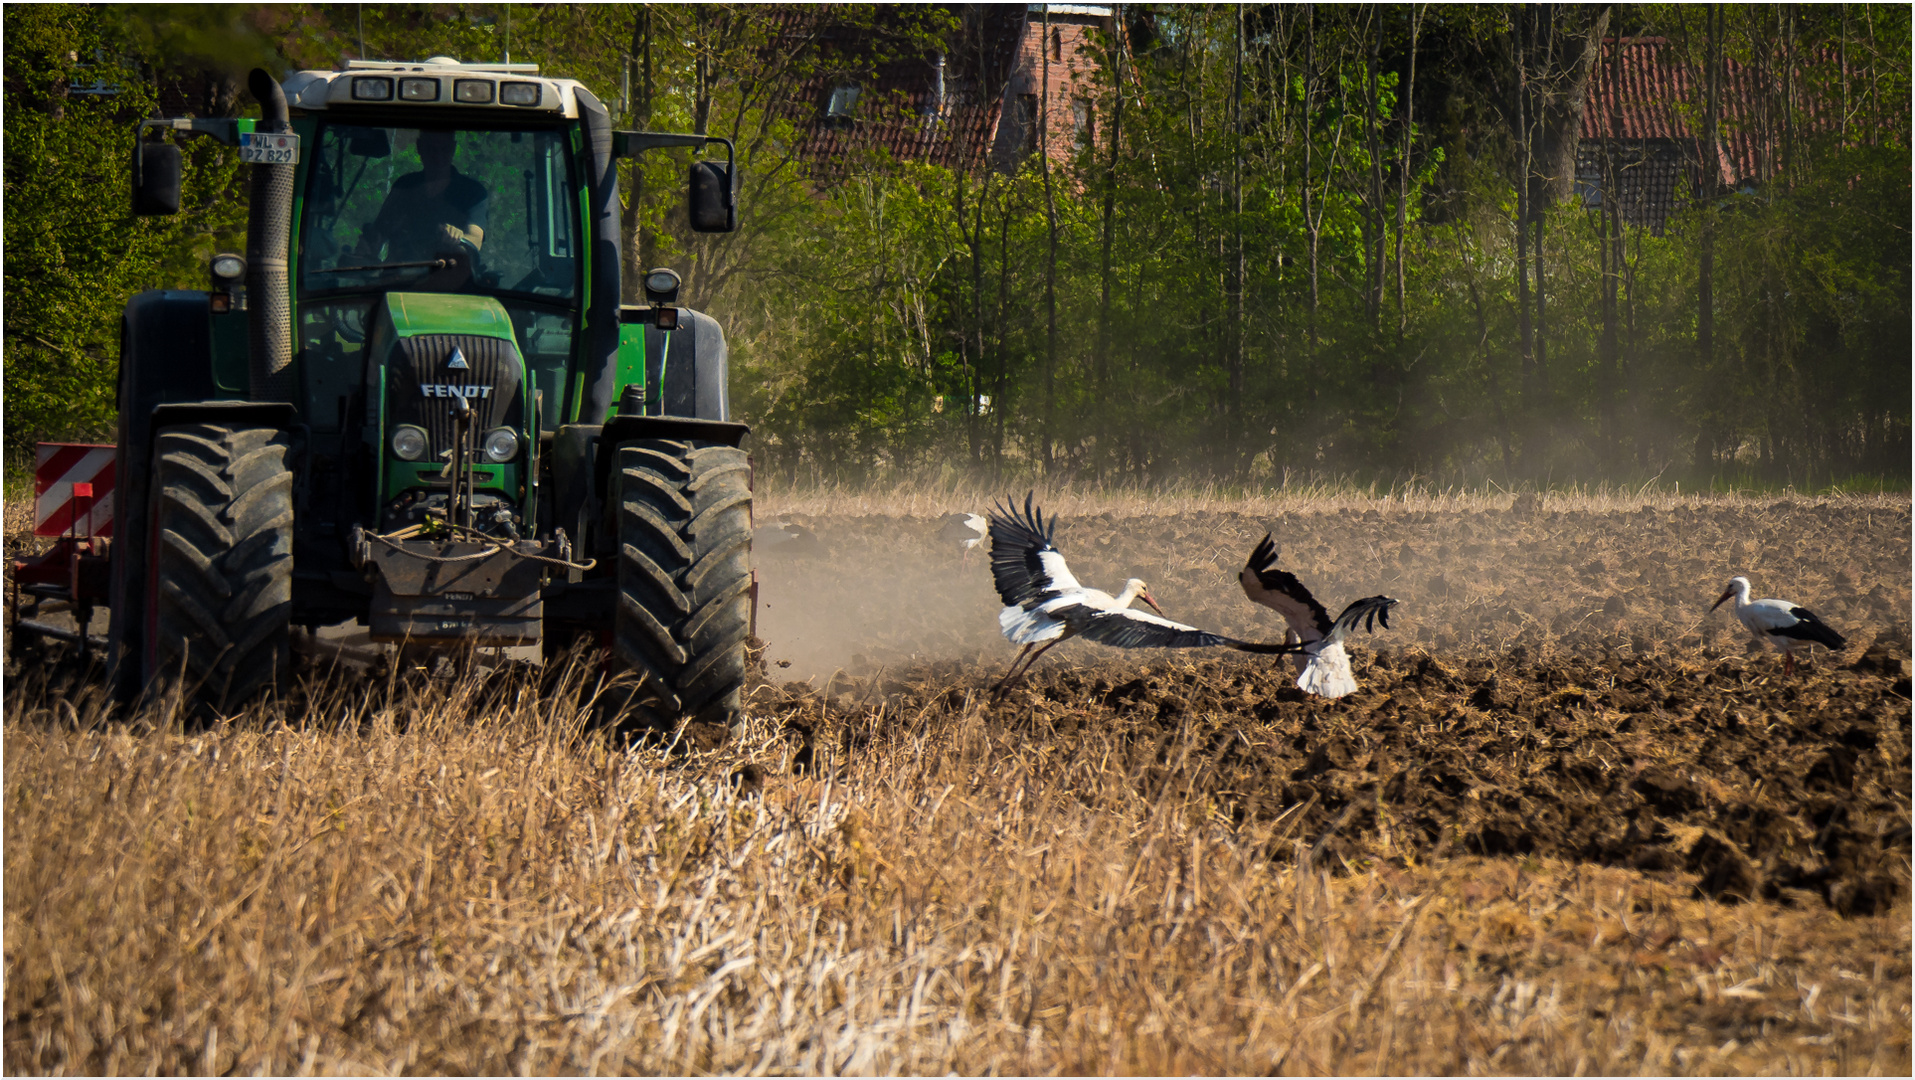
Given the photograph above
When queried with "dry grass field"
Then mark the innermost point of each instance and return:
(1567, 826)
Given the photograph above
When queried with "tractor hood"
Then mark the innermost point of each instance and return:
(413, 314)
(429, 349)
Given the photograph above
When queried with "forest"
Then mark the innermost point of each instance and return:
(1271, 244)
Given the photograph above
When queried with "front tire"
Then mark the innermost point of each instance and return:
(684, 573)
(220, 566)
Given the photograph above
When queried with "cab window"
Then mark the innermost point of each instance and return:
(439, 209)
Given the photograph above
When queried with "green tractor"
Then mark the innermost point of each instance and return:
(418, 404)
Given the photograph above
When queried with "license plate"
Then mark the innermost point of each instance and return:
(257, 148)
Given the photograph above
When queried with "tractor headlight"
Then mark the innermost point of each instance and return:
(501, 445)
(472, 92)
(371, 88)
(408, 442)
(519, 93)
(419, 89)
(229, 268)
(661, 285)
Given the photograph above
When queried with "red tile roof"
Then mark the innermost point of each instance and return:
(898, 110)
(1647, 92)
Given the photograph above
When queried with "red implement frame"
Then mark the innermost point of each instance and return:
(74, 571)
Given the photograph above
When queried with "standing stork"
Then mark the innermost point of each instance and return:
(965, 531)
(1779, 623)
(1323, 668)
(1044, 603)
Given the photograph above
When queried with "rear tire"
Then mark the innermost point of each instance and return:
(684, 574)
(219, 592)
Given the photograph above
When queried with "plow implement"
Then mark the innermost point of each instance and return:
(73, 504)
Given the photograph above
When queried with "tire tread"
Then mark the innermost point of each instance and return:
(222, 588)
(684, 535)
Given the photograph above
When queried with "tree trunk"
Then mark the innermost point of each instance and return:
(701, 71)
(1374, 237)
(1542, 311)
(1310, 222)
(1525, 332)
(638, 240)
(1555, 51)
(1101, 366)
(1564, 44)
(1403, 174)
(967, 319)
(1611, 270)
(1050, 252)
(1233, 300)
(1707, 176)
(998, 401)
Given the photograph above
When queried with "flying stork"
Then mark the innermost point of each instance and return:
(966, 531)
(1323, 668)
(1779, 623)
(1044, 603)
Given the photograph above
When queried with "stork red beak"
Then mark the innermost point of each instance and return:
(1152, 601)
(1720, 599)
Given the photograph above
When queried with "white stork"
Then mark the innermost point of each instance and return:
(1779, 623)
(1044, 603)
(1323, 668)
(966, 531)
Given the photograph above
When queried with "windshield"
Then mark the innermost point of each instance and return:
(434, 209)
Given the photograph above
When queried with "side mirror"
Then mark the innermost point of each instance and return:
(712, 209)
(156, 178)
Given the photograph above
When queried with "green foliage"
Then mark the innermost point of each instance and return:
(1347, 375)
(74, 252)
(1226, 284)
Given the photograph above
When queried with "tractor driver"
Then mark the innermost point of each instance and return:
(430, 212)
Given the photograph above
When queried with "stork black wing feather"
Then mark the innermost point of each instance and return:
(1808, 627)
(1025, 566)
(1366, 612)
(1263, 648)
(1262, 567)
(1127, 629)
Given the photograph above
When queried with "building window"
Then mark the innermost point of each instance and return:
(843, 103)
(1057, 44)
(1027, 120)
(1085, 117)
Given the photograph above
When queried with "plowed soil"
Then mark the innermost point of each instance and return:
(1553, 682)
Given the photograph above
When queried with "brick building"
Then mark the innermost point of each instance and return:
(975, 103)
(1068, 112)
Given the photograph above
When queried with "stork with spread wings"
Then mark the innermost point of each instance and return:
(1323, 668)
(1044, 603)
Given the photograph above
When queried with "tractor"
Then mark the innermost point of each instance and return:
(417, 403)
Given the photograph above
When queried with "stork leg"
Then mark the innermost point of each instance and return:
(1005, 683)
(1009, 671)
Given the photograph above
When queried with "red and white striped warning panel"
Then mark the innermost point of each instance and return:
(73, 490)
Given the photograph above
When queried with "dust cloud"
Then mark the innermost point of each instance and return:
(878, 591)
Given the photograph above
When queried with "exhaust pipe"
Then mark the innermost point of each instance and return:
(268, 229)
